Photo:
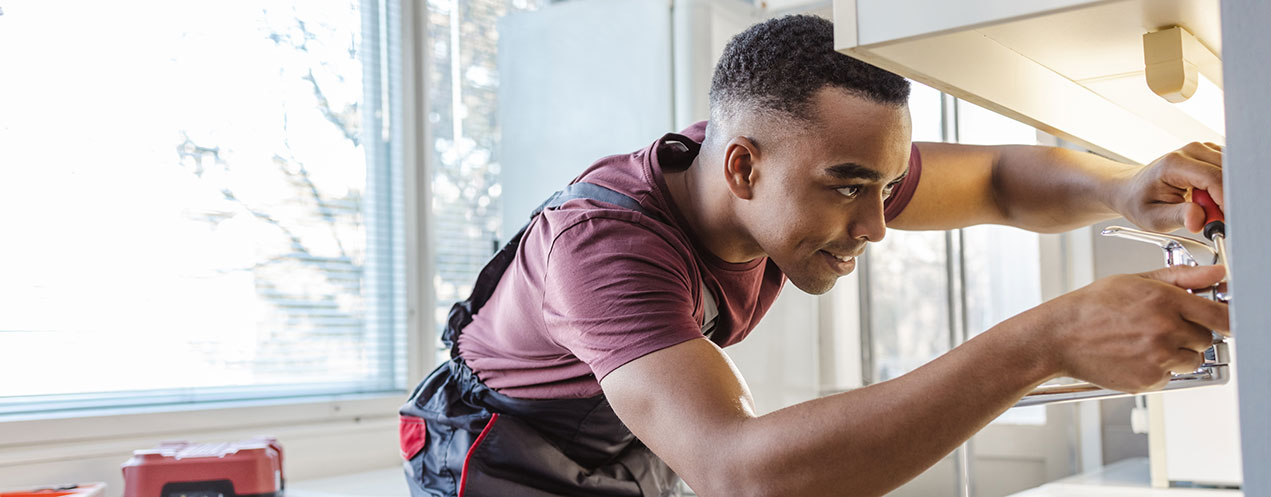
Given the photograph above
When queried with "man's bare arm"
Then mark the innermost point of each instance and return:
(689, 405)
(1048, 189)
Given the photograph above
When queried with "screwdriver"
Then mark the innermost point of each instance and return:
(1215, 228)
(1216, 231)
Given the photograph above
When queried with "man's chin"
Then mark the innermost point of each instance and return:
(817, 285)
(813, 276)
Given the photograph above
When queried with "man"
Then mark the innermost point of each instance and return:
(589, 361)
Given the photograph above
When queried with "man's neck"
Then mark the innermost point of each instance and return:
(704, 205)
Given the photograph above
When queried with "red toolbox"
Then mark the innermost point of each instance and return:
(181, 469)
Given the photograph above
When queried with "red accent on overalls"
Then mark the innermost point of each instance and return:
(413, 434)
(463, 478)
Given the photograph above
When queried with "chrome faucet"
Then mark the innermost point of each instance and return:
(1179, 251)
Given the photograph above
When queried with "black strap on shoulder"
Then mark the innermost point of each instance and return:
(461, 312)
(590, 191)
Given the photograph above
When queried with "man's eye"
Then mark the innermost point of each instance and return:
(850, 191)
(888, 190)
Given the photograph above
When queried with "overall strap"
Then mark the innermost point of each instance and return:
(461, 313)
(588, 191)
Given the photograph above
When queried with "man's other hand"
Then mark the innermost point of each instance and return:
(1156, 197)
(1129, 332)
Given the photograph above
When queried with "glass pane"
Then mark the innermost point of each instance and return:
(1003, 278)
(1001, 263)
(980, 126)
(187, 200)
(907, 281)
(909, 301)
(924, 111)
(1003, 274)
(463, 81)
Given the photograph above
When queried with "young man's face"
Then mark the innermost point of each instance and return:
(818, 195)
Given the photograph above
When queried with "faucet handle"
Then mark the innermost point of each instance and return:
(1179, 250)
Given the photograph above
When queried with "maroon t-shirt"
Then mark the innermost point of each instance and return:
(594, 286)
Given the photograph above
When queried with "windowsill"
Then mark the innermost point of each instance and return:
(195, 406)
(97, 424)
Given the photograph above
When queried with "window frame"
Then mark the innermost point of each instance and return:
(22, 430)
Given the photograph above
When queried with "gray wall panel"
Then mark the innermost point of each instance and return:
(1247, 77)
(578, 81)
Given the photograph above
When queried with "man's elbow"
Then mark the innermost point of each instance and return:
(737, 484)
(738, 469)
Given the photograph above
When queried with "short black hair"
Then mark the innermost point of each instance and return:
(778, 64)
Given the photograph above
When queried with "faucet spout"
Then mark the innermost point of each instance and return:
(1179, 250)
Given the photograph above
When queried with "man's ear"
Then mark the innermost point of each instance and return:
(739, 172)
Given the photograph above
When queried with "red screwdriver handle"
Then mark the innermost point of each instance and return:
(1213, 215)
(1212, 212)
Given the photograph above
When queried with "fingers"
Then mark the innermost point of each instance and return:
(1193, 216)
(1195, 338)
(1166, 217)
(1134, 330)
(1208, 152)
(1197, 165)
(1163, 191)
(1206, 313)
(1188, 277)
(1185, 361)
(1201, 311)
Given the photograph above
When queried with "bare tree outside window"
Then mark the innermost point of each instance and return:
(207, 199)
(311, 272)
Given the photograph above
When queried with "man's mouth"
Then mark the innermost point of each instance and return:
(841, 262)
(845, 256)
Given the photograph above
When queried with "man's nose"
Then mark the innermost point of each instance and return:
(869, 224)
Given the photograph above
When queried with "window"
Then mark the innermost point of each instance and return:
(1001, 264)
(905, 280)
(463, 82)
(1003, 276)
(926, 291)
(200, 202)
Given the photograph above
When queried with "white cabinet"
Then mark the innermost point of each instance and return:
(1072, 68)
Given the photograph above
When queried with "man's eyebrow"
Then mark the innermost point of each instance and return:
(852, 170)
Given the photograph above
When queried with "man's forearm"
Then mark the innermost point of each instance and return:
(1049, 189)
(688, 403)
(873, 439)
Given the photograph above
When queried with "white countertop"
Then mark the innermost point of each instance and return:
(387, 482)
(1128, 478)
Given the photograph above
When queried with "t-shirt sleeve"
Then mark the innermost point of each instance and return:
(905, 191)
(615, 291)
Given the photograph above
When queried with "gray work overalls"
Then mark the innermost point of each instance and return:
(461, 438)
